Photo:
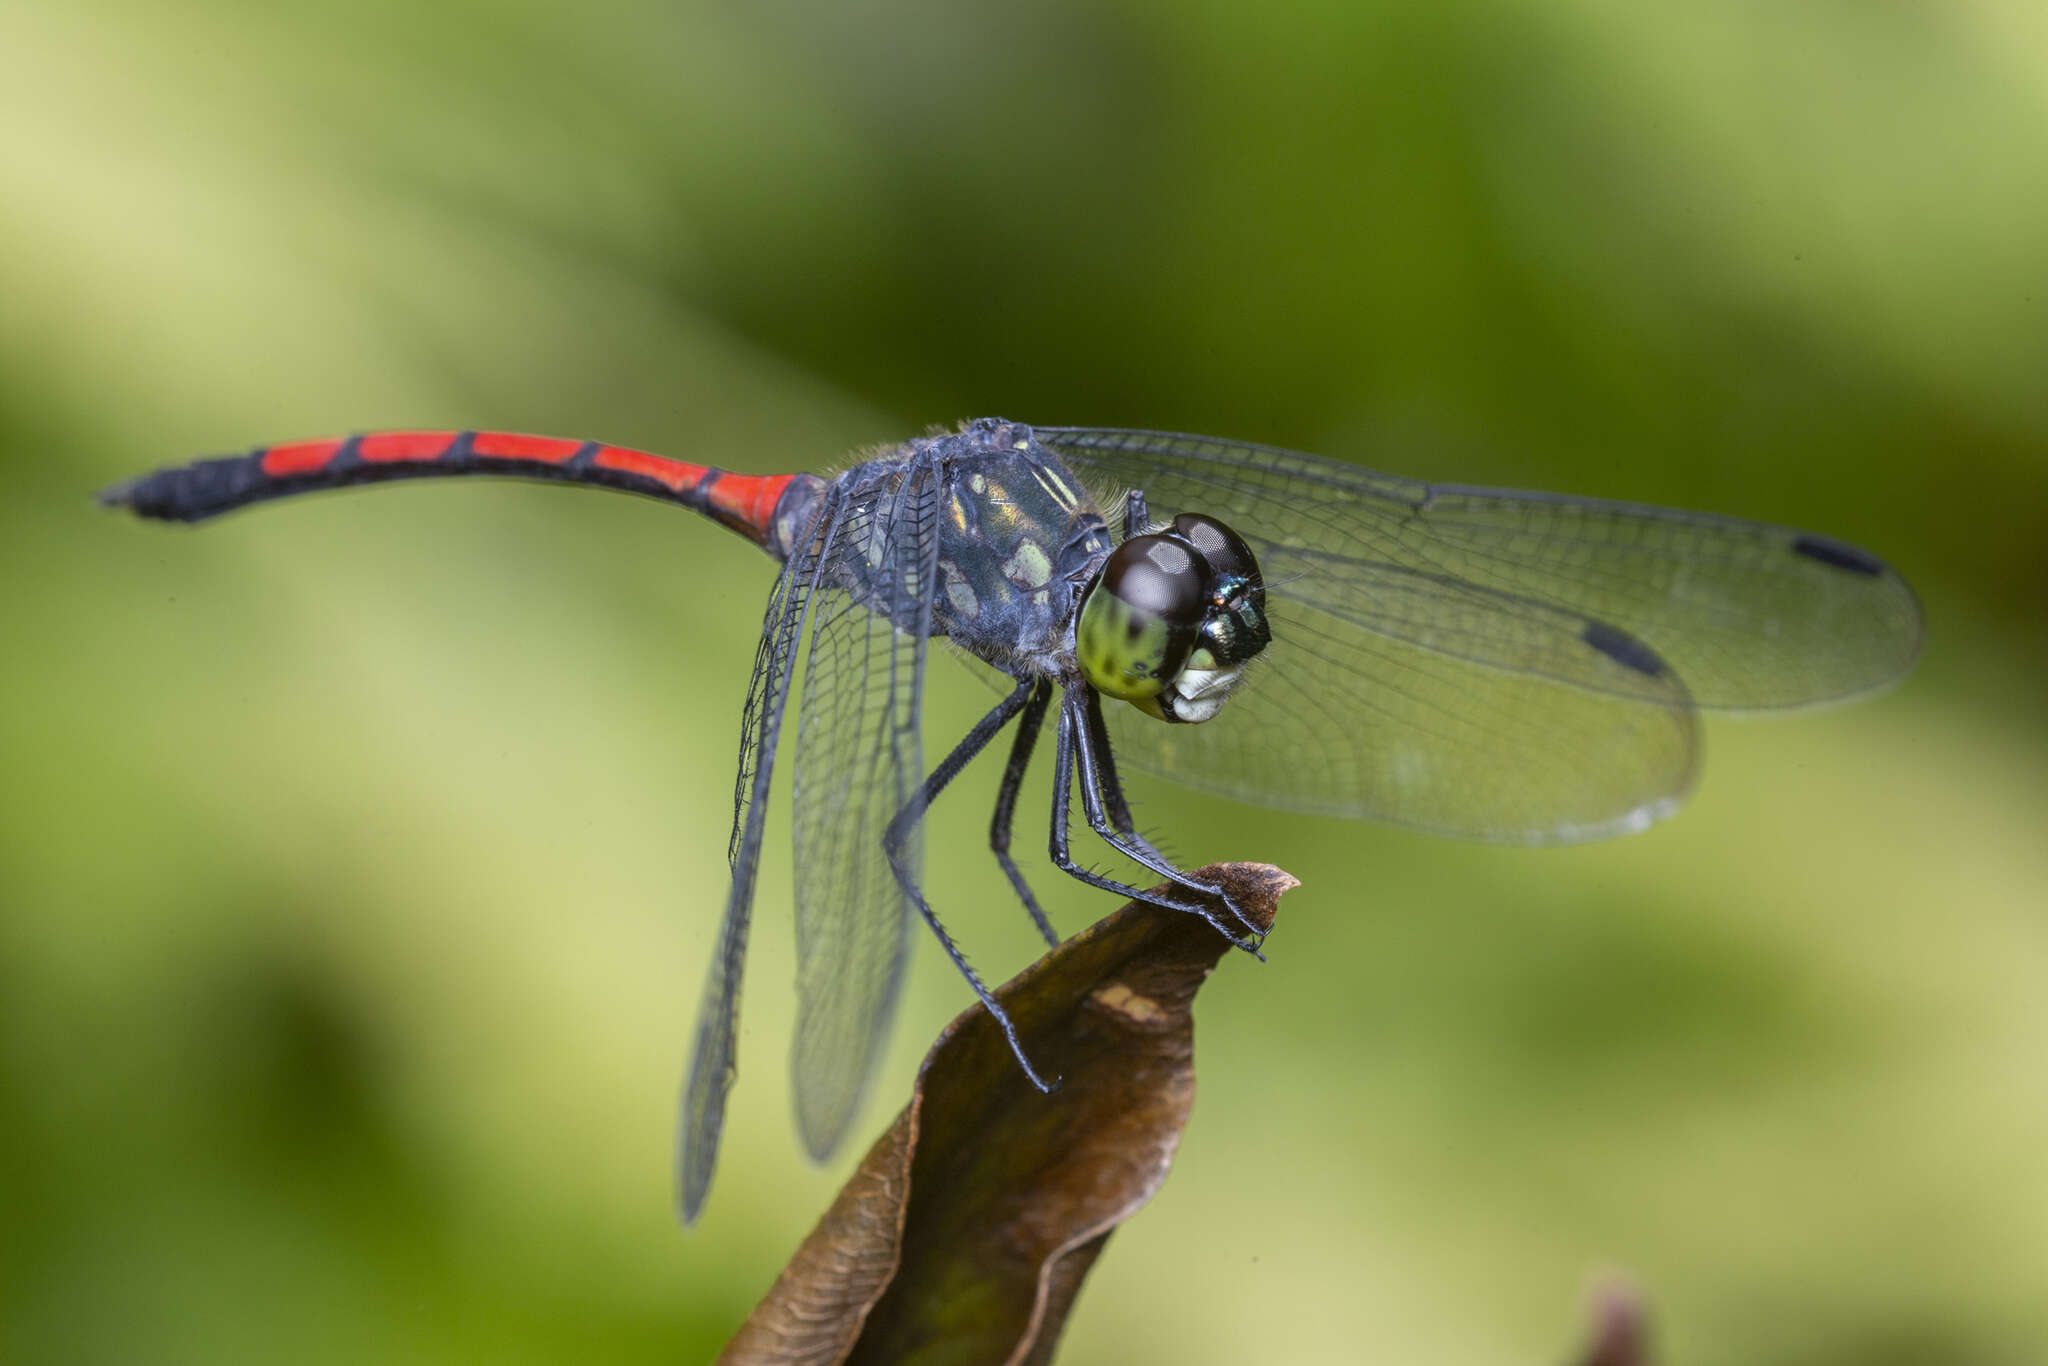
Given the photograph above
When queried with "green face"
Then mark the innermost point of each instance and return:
(1127, 650)
(1171, 622)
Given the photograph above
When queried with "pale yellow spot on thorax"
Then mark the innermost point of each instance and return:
(1029, 567)
(959, 592)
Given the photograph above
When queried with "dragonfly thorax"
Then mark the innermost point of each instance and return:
(1173, 619)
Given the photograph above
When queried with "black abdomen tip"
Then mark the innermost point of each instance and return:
(194, 492)
(118, 495)
(1623, 648)
(151, 495)
(1838, 555)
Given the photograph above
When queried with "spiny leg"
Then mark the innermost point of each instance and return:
(1099, 782)
(913, 811)
(1028, 727)
(1095, 744)
(1064, 747)
(1111, 787)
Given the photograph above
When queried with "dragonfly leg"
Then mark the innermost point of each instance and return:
(913, 811)
(1096, 745)
(1065, 746)
(1111, 787)
(1028, 726)
(1099, 780)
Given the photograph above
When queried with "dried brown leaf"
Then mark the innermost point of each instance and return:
(966, 1232)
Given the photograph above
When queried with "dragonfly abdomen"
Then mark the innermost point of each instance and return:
(748, 504)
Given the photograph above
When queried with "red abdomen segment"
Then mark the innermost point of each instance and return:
(206, 488)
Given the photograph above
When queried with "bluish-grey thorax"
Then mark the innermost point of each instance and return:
(1020, 538)
(1028, 579)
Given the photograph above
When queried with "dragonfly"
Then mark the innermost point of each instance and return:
(1275, 627)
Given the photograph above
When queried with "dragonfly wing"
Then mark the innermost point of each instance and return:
(712, 1061)
(1509, 666)
(1435, 732)
(1750, 615)
(859, 760)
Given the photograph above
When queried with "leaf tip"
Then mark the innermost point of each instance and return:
(1621, 1324)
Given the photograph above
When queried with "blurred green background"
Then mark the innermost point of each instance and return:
(359, 857)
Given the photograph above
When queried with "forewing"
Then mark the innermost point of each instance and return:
(712, 1061)
(1748, 614)
(1509, 666)
(859, 761)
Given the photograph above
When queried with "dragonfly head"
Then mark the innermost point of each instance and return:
(1173, 618)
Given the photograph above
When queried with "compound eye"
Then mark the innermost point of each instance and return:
(1141, 618)
(1237, 630)
(1152, 574)
(1223, 549)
